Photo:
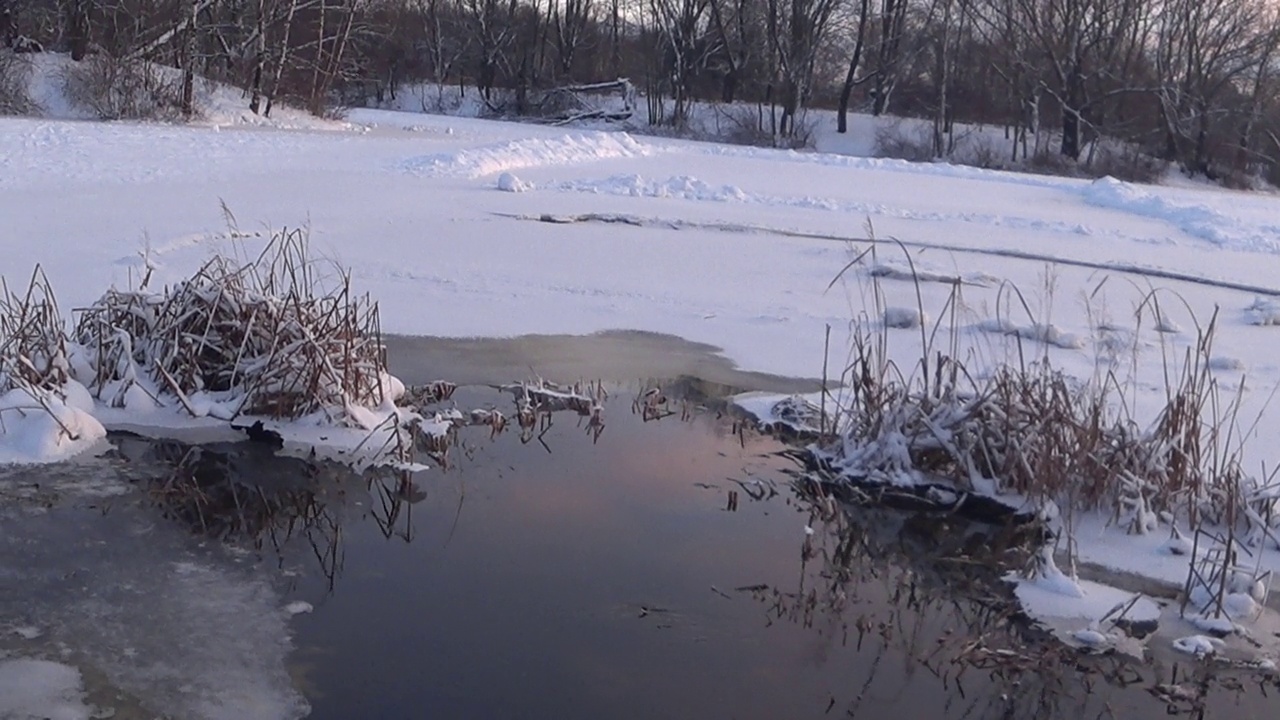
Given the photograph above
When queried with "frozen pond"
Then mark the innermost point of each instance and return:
(664, 569)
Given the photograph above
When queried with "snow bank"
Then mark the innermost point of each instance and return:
(42, 689)
(1197, 220)
(568, 149)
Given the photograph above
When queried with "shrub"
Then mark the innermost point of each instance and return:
(124, 89)
(15, 73)
(904, 140)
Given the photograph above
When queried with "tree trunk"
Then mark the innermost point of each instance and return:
(282, 59)
(313, 101)
(846, 90)
(8, 26)
(259, 59)
(1072, 106)
(77, 28)
(189, 60)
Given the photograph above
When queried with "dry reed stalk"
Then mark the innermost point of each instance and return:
(272, 337)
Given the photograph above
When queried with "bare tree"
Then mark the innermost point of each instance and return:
(846, 89)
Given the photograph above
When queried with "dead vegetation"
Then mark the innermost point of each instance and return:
(283, 336)
(33, 343)
(15, 73)
(115, 88)
(1029, 429)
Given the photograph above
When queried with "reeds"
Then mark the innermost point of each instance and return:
(1028, 428)
(33, 347)
(275, 337)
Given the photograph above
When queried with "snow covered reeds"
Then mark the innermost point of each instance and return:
(1025, 428)
(275, 337)
(43, 412)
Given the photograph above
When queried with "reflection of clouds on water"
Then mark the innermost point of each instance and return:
(142, 609)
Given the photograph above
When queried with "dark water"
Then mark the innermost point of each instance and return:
(661, 570)
(611, 580)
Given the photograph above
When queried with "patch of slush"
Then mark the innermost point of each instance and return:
(41, 690)
(187, 632)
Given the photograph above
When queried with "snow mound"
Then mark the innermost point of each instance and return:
(1046, 333)
(681, 187)
(31, 689)
(41, 427)
(299, 607)
(1198, 645)
(1264, 312)
(1198, 221)
(508, 182)
(569, 149)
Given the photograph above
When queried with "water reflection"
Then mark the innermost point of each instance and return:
(669, 567)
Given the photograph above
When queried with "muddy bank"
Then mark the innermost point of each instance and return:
(613, 356)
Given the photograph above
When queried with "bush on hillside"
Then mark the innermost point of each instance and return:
(123, 89)
(15, 73)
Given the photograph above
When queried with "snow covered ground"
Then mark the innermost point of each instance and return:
(443, 221)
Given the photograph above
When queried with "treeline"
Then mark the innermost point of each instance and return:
(1190, 81)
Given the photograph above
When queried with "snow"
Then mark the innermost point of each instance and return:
(508, 182)
(31, 689)
(1195, 219)
(40, 427)
(571, 149)
(27, 632)
(1216, 625)
(298, 607)
(1061, 597)
(904, 318)
(1198, 645)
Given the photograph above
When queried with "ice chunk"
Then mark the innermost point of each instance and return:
(299, 607)
(41, 689)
